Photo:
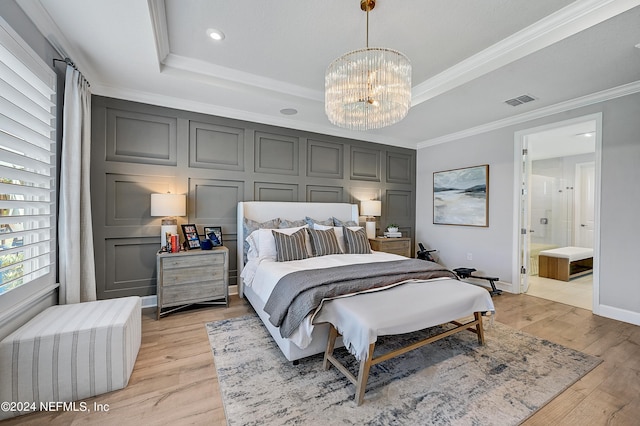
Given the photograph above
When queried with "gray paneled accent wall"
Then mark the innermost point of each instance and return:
(139, 149)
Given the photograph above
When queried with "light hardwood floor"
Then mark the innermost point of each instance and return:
(174, 380)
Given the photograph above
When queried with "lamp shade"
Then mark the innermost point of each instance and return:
(168, 205)
(371, 207)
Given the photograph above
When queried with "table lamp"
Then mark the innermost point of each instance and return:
(370, 209)
(169, 206)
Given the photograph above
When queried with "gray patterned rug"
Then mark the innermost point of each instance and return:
(453, 381)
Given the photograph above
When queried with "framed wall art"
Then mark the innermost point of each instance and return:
(191, 237)
(214, 233)
(461, 196)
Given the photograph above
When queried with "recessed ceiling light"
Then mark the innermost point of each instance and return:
(215, 34)
(288, 111)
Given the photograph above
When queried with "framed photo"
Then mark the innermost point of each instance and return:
(214, 233)
(461, 196)
(191, 237)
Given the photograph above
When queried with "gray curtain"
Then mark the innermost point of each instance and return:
(75, 230)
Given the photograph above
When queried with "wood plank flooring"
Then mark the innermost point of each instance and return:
(174, 380)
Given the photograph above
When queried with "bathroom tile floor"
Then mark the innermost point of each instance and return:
(577, 292)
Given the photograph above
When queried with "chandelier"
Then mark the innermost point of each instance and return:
(368, 88)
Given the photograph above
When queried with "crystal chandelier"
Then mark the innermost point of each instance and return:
(368, 88)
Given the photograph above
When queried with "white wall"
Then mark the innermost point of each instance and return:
(491, 247)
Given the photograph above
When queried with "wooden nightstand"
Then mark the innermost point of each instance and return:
(190, 277)
(401, 246)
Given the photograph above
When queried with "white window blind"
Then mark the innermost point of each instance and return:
(27, 170)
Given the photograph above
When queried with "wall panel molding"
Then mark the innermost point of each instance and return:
(139, 149)
(271, 191)
(400, 168)
(215, 147)
(365, 163)
(136, 271)
(325, 159)
(276, 153)
(141, 138)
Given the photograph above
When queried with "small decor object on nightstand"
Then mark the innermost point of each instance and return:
(191, 237)
(392, 231)
(214, 233)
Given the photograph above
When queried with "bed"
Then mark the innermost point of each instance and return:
(356, 318)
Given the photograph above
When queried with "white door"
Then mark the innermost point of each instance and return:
(585, 204)
(525, 221)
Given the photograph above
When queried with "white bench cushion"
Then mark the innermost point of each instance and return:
(71, 352)
(571, 253)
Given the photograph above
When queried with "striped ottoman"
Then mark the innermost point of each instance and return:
(71, 352)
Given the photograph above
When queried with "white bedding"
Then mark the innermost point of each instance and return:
(360, 320)
(413, 306)
(262, 274)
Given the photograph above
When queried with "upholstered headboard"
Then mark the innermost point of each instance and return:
(262, 211)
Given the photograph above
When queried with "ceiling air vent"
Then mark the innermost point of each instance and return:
(520, 100)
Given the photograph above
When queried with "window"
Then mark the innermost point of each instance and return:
(27, 169)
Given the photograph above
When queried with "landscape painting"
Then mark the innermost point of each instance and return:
(461, 196)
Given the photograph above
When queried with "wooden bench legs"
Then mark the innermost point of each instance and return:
(360, 382)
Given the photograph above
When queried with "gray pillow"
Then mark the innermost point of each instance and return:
(338, 222)
(286, 223)
(309, 221)
(323, 242)
(248, 226)
(290, 247)
(356, 242)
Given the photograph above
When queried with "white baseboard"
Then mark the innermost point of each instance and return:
(618, 314)
(500, 285)
(149, 301)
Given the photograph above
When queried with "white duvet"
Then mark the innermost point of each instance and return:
(401, 309)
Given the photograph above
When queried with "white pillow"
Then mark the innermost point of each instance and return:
(339, 233)
(263, 245)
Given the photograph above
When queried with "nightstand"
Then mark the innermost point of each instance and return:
(401, 246)
(192, 277)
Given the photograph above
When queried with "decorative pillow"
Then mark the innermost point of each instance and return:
(248, 226)
(311, 222)
(264, 244)
(337, 231)
(323, 242)
(338, 222)
(286, 223)
(290, 247)
(356, 242)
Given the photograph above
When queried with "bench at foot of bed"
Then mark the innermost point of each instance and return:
(360, 382)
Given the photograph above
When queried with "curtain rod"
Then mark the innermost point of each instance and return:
(70, 63)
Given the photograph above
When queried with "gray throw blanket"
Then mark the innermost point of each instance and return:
(299, 293)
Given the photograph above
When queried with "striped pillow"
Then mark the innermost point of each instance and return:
(290, 247)
(356, 242)
(323, 242)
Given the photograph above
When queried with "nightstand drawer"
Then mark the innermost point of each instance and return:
(193, 292)
(401, 246)
(192, 261)
(179, 276)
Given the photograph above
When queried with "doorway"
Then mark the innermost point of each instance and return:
(558, 184)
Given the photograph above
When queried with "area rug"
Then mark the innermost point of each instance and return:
(453, 381)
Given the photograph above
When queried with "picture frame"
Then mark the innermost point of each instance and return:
(461, 196)
(191, 237)
(217, 234)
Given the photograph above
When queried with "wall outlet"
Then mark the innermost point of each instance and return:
(469, 256)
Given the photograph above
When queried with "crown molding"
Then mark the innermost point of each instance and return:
(207, 108)
(228, 77)
(158, 14)
(594, 98)
(564, 23)
(42, 20)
